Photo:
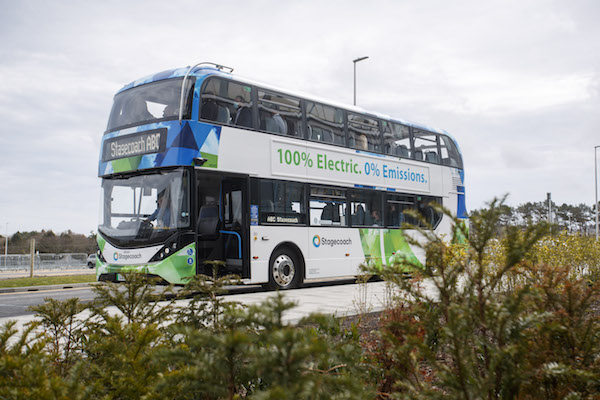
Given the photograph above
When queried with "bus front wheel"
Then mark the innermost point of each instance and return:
(284, 269)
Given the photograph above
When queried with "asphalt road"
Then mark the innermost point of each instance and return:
(17, 304)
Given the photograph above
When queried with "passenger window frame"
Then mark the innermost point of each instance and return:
(344, 124)
(301, 131)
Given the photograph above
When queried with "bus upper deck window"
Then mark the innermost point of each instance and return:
(449, 152)
(426, 146)
(279, 114)
(325, 123)
(396, 139)
(151, 102)
(363, 132)
(227, 103)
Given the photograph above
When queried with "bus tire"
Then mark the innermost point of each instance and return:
(285, 269)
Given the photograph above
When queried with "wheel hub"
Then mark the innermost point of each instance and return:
(283, 270)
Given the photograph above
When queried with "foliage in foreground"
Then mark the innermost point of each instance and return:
(209, 349)
(492, 319)
(487, 317)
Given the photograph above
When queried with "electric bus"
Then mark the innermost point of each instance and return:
(198, 164)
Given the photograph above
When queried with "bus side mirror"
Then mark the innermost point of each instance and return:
(208, 223)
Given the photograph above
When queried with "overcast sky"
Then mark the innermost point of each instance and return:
(516, 82)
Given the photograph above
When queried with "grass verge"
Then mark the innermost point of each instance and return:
(46, 280)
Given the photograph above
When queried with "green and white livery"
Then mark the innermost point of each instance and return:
(198, 164)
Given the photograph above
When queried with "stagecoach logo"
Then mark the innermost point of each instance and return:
(318, 241)
(125, 257)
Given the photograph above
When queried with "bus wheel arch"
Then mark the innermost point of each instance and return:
(286, 267)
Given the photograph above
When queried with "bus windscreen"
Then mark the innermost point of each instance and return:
(144, 207)
(148, 103)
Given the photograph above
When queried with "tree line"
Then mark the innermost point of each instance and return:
(565, 217)
(50, 242)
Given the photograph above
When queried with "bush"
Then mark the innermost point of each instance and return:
(209, 349)
(505, 321)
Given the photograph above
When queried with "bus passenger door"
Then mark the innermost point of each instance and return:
(235, 225)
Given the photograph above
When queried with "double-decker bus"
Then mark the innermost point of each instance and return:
(198, 164)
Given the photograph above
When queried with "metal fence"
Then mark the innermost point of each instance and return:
(20, 262)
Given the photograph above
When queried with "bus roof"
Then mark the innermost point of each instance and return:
(204, 72)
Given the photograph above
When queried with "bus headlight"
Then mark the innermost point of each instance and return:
(165, 251)
(100, 256)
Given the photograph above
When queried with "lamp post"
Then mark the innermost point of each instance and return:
(596, 185)
(355, 61)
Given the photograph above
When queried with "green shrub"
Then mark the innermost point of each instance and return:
(504, 322)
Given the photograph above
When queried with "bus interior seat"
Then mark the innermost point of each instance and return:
(327, 213)
(272, 126)
(291, 128)
(402, 151)
(269, 206)
(335, 214)
(368, 219)
(208, 222)
(431, 156)
(223, 115)
(358, 218)
(209, 110)
(419, 155)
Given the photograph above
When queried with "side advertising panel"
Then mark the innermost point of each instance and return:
(352, 167)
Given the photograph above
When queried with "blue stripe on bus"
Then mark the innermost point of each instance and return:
(364, 186)
(461, 209)
(370, 154)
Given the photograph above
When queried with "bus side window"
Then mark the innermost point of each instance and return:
(325, 123)
(449, 152)
(280, 202)
(227, 103)
(327, 206)
(363, 133)
(396, 206)
(366, 208)
(279, 114)
(426, 146)
(427, 211)
(396, 139)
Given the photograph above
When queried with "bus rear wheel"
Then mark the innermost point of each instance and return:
(284, 269)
